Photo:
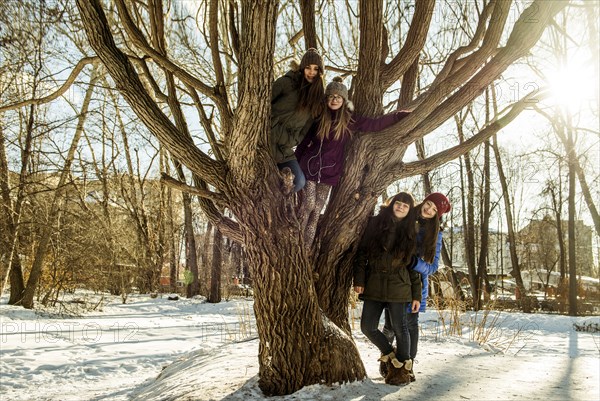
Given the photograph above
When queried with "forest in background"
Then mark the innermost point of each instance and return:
(93, 197)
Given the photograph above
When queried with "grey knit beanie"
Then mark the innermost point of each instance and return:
(337, 87)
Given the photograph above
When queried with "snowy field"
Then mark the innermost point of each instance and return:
(157, 349)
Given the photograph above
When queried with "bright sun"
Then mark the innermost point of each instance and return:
(574, 84)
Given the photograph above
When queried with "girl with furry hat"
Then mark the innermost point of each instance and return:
(321, 153)
(296, 100)
(385, 279)
(429, 246)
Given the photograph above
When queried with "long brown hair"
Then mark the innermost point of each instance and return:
(310, 94)
(430, 228)
(405, 242)
(343, 118)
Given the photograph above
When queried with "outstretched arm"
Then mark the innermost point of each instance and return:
(367, 124)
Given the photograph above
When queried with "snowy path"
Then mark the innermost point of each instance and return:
(447, 370)
(118, 354)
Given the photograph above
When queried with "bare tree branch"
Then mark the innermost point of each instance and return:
(451, 63)
(524, 36)
(428, 164)
(415, 39)
(130, 86)
(218, 198)
(64, 87)
(139, 40)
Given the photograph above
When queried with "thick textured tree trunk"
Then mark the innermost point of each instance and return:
(299, 345)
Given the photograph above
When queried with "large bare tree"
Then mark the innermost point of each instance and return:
(301, 299)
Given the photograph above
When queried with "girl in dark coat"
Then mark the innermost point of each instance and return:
(296, 100)
(322, 151)
(429, 246)
(384, 277)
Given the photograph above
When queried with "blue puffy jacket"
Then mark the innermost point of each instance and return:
(427, 268)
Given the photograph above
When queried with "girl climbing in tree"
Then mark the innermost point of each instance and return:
(322, 151)
(296, 100)
(383, 274)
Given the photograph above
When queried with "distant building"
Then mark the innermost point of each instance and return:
(538, 253)
(538, 247)
(498, 257)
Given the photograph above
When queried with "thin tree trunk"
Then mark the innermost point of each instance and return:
(191, 255)
(512, 238)
(17, 282)
(557, 203)
(206, 258)
(172, 235)
(9, 230)
(54, 213)
(571, 228)
(468, 199)
(482, 280)
(214, 295)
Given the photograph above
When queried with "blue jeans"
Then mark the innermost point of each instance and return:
(369, 325)
(412, 321)
(299, 179)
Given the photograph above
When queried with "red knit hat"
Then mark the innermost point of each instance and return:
(441, 202)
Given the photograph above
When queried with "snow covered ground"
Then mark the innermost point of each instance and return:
(157, 349)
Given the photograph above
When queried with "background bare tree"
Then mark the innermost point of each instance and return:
(197, 77)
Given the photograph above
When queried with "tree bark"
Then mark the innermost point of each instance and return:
(482, 279)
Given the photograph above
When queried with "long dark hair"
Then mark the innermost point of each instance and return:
(405, 242)
(430, 228)
(311, 94)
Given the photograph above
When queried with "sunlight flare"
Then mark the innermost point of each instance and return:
(574, 84)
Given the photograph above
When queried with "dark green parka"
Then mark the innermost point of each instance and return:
(288, 125)
(384, 277)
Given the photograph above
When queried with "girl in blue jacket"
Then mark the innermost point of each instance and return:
(429, 246)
